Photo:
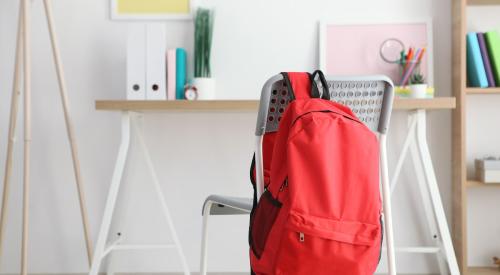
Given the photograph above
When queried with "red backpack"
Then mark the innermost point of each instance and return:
(321, 208)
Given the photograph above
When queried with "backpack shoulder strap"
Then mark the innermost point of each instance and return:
(298, 84)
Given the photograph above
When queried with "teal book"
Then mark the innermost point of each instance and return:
(493, 44)
(180, 72)
(476, 73)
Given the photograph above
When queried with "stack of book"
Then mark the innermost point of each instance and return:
(483, 59)
(176, 73)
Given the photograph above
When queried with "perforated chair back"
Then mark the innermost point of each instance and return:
(369, 97)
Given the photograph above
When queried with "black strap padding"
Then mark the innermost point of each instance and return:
(326, 92)
(253, 181)
(254, 203)
(288, 84)
(252, 167)
(314, 87)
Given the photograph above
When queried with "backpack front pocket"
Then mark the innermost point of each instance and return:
(262, 222)
(317, 245)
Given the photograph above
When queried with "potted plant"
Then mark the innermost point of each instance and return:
(418, 87)
(203, 29)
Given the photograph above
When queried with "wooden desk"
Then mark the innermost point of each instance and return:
(245, 105)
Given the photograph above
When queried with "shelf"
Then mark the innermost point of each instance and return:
(461, 185)
(480, 91)
(245, 105)
(483, 271)
(476, 183)
(482, 2)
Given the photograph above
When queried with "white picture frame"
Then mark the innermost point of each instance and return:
(116, 15)
(323, 25)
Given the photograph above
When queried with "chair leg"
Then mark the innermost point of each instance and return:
(204, 239)
(386, 193)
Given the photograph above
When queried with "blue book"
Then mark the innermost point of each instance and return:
(180, 72)
(476, 72)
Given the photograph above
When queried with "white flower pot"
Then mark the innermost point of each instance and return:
(205, 87)
(418, 90)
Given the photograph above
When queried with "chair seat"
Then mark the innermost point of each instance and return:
(226, 205)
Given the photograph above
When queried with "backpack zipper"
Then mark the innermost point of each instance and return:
(282, 187)
(326, 111)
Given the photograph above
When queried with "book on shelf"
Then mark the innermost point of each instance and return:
(476, 73)
(171, 69)
(493, 45)
(180, 74)
(486, 59)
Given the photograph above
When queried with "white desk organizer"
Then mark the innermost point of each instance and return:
(146, 62)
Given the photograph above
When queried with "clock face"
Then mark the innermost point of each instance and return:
(191, 94)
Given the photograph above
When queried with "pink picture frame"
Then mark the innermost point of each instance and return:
(354, 48)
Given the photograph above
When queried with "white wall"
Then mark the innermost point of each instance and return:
(195, 154)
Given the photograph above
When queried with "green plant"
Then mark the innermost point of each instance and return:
(417, 78)
(203, 29)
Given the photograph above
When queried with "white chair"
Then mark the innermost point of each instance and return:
(370, 98)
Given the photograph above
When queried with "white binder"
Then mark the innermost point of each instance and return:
(156, 71)
(136, 63)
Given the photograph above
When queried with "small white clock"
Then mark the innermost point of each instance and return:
(190, 92)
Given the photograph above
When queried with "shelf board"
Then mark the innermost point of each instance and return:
(245, 105)
(482, 2)
(481, 91)
(483, 271)
(476, 183)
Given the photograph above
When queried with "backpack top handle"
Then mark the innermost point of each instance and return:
(370, 98)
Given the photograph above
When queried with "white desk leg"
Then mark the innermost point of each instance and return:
(386, 194)
(161, 197)
(113, 194)
(434, 192)
(410, 138)
(110, 268)
(427, 204)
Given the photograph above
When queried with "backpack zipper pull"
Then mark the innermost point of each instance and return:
(284, 185)
(301, 237)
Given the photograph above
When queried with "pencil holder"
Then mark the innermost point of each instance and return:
(407, 69)
(404, 66)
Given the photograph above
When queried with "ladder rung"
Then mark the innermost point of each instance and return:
(116, 246)
(142, 246)
(417, 249)
(110, 247)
